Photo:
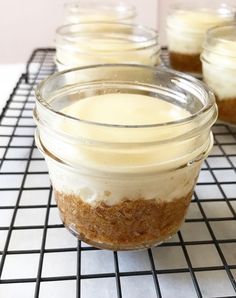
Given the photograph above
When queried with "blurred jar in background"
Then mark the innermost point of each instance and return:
(187, 24)
(219, 68)
(106, 11)
(100, 42)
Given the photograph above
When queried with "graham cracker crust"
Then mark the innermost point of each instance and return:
(128, 225)
(186, 62)
(227, 109)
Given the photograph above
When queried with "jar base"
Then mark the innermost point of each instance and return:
(114, 247)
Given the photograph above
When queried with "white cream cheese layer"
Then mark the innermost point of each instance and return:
(219, 68)
(113, 189)
(186, 29)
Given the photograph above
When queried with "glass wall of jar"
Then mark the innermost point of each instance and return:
(106, 11)
(123, 154)
(187, 24)
(98, 42)
(219, 68)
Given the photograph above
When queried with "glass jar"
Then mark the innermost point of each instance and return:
(219, 69)
(187, 24)
(105, 11)
(124, 172)
(98, 42)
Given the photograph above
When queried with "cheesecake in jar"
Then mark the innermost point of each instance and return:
(101, 42)
(219, 69)
(89, 11)
(123, 154)
(186, 28)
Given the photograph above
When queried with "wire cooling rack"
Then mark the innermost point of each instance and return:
(39, 258)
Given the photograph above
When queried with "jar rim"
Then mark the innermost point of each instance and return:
(210, 32)
(141, 44)
(177, 75)
(213, 37)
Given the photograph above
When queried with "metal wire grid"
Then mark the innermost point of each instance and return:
(40, 259)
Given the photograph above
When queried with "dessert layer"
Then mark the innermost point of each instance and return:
(110, 163)
(186, 62)
(124, 147)
(227, 109)
(186, 29)
(115, 146)
(198, 20)
(184, 42)
(130, 224)
(220, 77)
(95, 187)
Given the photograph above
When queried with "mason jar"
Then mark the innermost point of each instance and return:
(187, 24)
(107, 11)
(123, 155)
(98, 42)
(219, 69)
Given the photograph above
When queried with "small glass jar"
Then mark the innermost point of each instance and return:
(187, 24)
(219, 69)
(98, 42)
(104, 11)
(124, 185)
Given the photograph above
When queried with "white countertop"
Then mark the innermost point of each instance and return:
(9, 74)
